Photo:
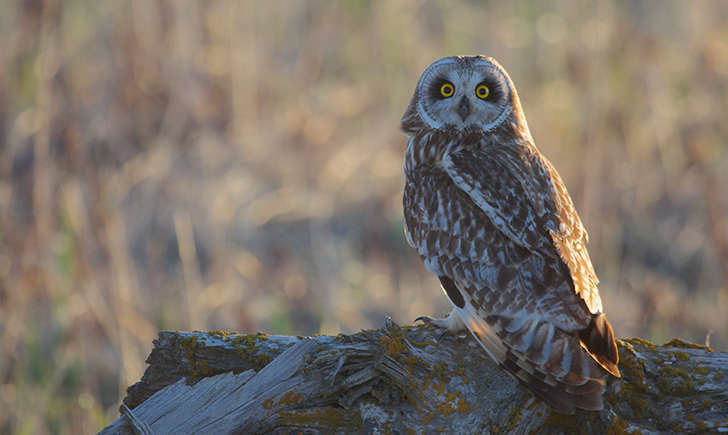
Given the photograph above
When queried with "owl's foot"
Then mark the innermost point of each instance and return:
(452, 322)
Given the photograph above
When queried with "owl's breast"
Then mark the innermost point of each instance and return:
(441, 220)
(429, 148)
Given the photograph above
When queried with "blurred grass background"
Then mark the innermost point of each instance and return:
(237, 165)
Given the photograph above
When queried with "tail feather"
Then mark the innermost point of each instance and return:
(550, 362)
(564, 369)
(562, 397)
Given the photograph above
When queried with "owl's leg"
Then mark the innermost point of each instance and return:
(451, 322)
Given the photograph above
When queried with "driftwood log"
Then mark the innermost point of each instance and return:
(409, 379)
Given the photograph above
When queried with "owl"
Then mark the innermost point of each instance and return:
(491, 218)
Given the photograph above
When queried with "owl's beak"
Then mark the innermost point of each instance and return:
(463, 108)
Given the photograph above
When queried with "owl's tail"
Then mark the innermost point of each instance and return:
(554, 365)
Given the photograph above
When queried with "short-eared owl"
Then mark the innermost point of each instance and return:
(490, 216)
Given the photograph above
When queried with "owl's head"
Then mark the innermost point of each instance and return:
(462, 92)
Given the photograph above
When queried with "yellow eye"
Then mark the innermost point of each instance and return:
(482, 92)
(447, 89)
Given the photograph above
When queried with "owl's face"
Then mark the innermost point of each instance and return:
(462, 92)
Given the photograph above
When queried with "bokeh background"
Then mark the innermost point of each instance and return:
(237, 165)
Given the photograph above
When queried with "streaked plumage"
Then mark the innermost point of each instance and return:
(491, 217)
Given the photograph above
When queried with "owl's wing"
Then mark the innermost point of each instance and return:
(524, 197)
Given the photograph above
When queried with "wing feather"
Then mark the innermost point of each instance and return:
(524, 197)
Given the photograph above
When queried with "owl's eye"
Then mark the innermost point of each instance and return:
(447, 89)
(482, 91)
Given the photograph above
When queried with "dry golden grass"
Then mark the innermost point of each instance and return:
(237, 165)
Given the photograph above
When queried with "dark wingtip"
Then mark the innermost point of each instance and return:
(598, 339)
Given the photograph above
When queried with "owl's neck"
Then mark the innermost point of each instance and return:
(430, 146)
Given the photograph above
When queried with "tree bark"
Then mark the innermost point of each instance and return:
(403, 379)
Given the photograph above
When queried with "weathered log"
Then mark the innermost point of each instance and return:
(403, 379)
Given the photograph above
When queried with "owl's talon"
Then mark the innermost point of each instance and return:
(425, 319)
(444, 324)
(451, 322)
